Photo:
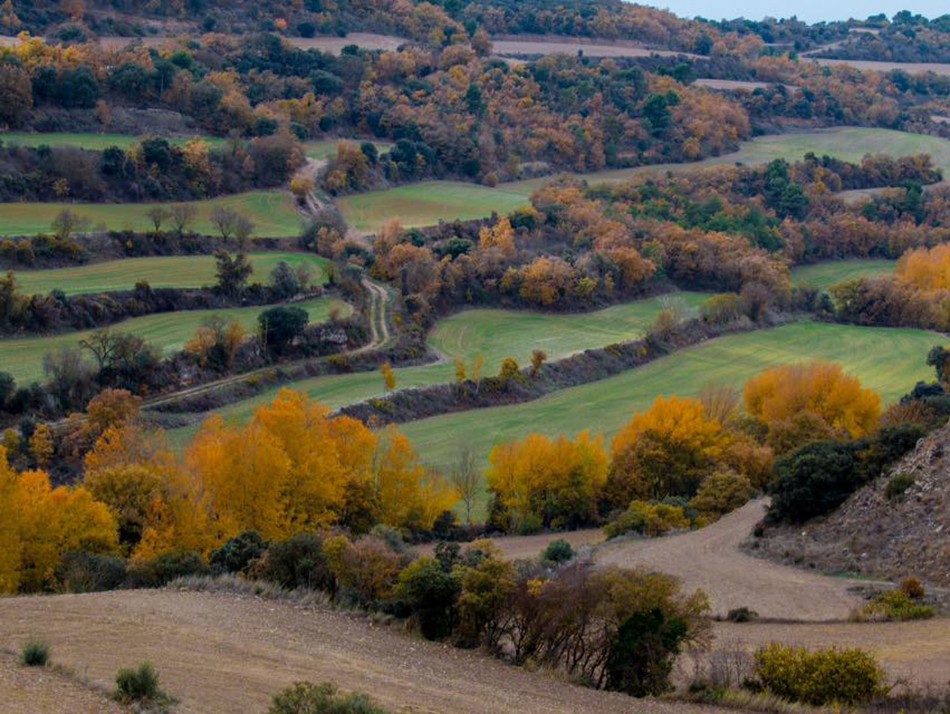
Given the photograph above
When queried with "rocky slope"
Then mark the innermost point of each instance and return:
(879, 536)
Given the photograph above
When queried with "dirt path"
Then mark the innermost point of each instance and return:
(223, 653)
(710, 559)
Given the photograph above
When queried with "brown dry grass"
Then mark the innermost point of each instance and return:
(229, 653)
(541, 45)
(365, 40)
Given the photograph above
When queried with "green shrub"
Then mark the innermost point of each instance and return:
(649, 519)
(898, 484)
(140, 686)
(298, 562)
(815, 479)
(558, 551)
(307, 698)
(81, 572)
(819, 677)
(643, 651)
(236, 555)
(431, 594)
(162, 570)
(742, 614)
(895, 605)
(35, 654)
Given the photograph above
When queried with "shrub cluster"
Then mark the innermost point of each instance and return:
(820, 677)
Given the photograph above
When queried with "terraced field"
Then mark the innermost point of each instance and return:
(889, 361)
(317, 149)
(188, 271)
(93, 142)
(495, 334)
(23, 357)
(427, 203)
(272, 212)
(824, 275)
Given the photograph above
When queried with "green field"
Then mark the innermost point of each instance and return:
(427, 203)
(94, 142)
(889, 361)
(190, 271)
(272, 212)
(23, 357)
(317, 149)
(495, 334)
(829, 273)
(325, 148)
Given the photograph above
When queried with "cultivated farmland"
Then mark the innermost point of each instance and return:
(273, 213)
(825, 275)
(190, 271)
(605, 406)
(493, 334)
(428, 203)
(23, 357)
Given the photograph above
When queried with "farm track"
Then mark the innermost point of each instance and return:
(379, 306)
(222, 653)
(710, 559)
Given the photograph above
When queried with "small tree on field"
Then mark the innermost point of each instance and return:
(225, 221)
(389, 376)
(466, 479)
(67, 222)
(538, 358)
(158, 215)
(182, 216)
(280, 325)
(232, 273)
(285, 280)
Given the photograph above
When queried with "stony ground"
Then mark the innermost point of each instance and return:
(877, 536)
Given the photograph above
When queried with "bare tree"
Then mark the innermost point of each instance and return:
(67, 222)
(103, 344)
(466, 479)
(225, 220)
(182, 215)
(157, 215)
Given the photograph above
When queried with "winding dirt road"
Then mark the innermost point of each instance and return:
(710, 559)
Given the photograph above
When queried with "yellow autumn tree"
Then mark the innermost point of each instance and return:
(665, 451)
(926, 268)
(409, 495)
(40, 524)
(501, 237)
(799, 404)
(543, 482)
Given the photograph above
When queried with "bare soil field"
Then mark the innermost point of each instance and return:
(730, 84)
(918, 652)
(710, 559)
(870, 66)
(365, 40)
(35, 690)
(225, 653)
(592, 47)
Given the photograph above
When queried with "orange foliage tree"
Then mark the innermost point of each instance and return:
(926, 268)
(673, 447)
(803, 403)
(541, 482)
(39, 524)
